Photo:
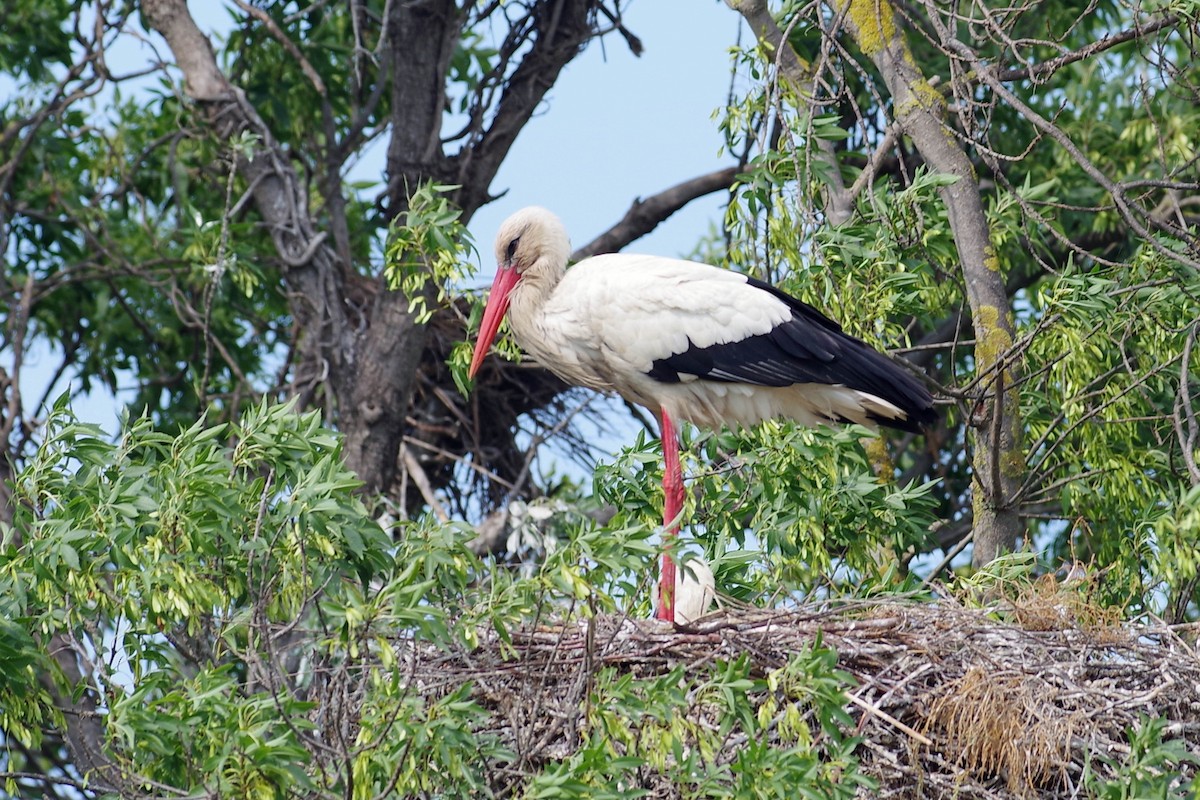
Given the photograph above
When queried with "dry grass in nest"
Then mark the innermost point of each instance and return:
(950, 702)
(999, 724)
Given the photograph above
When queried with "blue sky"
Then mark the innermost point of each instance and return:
(617, 127)
(613, 128)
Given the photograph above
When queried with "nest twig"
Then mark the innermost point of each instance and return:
(949, 702)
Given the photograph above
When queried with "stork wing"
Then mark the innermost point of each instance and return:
(678, 321)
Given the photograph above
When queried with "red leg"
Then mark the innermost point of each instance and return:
(672, 505)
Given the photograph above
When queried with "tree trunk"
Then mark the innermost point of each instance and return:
(998, 459)
(358, 336)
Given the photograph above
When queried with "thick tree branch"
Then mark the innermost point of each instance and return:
(920, 111)
(645, 215)
(422, 40)
(370, 363)
(560, 30)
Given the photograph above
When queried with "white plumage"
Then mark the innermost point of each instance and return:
(695, 589)
(606, 321)
(686, 339)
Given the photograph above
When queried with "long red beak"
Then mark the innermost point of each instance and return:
(493, 315)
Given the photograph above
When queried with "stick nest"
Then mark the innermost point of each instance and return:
(1008, 701)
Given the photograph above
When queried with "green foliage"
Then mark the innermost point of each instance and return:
(181, 557)
(170, 267)
(1150, 770)
(26, 707)
(241, 597)
(810, 500)
(780, 508)
(170, 513)
(33, 39)
(1006, 576)
(1101, 419)
(887, 265)
(428, 245)
(335, 75)
(787, 730)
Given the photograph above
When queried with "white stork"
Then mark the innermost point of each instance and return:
(688, 340)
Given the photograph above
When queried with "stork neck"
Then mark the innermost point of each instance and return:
(529, 296)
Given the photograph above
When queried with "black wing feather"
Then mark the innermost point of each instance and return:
(808, 348)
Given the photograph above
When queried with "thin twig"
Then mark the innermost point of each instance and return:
(883, 715)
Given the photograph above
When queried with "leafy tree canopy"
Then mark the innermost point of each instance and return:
(229, 593)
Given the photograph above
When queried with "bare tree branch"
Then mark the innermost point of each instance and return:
(1050, 66)
(558, 31)
(840, 202)
(1187, 429)
(645, 215)
(987, 74)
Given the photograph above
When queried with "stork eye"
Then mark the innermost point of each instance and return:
(512, 249)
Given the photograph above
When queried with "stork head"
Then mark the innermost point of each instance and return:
(532, 244)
